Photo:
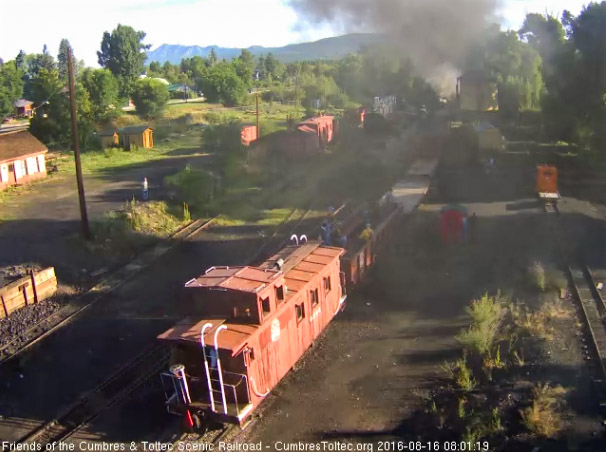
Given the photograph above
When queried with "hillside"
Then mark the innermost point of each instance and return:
(325, 48)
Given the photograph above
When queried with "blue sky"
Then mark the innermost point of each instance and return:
(227, 23)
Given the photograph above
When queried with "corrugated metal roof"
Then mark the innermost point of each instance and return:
(18, 144)
(188, 331)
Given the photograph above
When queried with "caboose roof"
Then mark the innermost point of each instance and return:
(242, 279)
(188, 331)
(303, 263)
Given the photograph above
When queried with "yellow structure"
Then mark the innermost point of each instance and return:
(138, 136)
(109, 139)
(476, 92)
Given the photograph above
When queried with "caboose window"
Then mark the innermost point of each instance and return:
(300, 312)
(280, 293)
(265, 306)
(327, 287)
(313, 296)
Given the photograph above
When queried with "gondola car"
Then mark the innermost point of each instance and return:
(246, 328)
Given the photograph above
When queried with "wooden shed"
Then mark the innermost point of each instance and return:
(24, 108)
(109, 138)
(21, 158)
(137, 136)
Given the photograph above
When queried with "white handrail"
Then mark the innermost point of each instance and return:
(254, 388)
(222, 327)
(295, 238)
(210, 386)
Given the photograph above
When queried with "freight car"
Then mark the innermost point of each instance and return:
(246, 329)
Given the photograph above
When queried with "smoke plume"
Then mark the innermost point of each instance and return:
(435, 33)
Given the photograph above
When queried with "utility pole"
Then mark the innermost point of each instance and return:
(258, 113)
(297, 96)
(76, 143)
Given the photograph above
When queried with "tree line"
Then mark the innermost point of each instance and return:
(554, 66)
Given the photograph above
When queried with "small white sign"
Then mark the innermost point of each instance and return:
(275, 330)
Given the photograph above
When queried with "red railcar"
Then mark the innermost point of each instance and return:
(246, 329)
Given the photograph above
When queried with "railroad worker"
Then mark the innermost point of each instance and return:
(145, 189)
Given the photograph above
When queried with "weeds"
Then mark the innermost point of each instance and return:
(186, 213)
(543, 417)
(536, 273)
(460, 374)
(486, 314)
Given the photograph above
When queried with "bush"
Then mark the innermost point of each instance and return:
(543, 417)
(486, 314)
(195, 187)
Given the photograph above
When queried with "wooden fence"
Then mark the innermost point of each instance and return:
(27, 290)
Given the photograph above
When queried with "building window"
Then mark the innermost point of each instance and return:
(300, 312)
(280, 293)
(265, 306)
(313, 296)
(327, 287)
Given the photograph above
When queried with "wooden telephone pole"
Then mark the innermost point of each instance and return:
(258, 114)
(76, 144)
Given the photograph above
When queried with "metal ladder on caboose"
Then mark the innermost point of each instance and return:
(214, 375)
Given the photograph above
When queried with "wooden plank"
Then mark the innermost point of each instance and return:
(33, 278)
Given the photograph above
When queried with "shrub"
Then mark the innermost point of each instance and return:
(194, 186)
(543, 417)
(486, 314)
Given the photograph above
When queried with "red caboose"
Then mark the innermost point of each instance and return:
(246, 329)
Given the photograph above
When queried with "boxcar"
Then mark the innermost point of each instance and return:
(246, 329)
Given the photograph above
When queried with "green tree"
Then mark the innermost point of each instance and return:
(11, 87)
(123, 53)
(62, 59)
(224, 141)
(52, 121)
(222, 84)
(244, 66)
(103, 90)
(150, 97)
(212, 58)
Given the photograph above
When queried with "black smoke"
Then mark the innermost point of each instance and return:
(436, 34)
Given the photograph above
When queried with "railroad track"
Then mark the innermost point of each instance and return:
(592, 313)
(113, 390)
(55, 321)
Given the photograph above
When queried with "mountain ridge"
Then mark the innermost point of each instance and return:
(327, 48)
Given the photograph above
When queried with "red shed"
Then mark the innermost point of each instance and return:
(247, 328)
(248, 134)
